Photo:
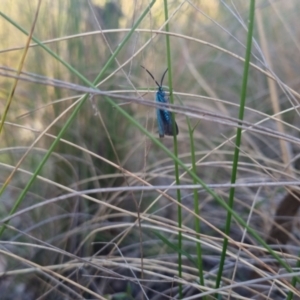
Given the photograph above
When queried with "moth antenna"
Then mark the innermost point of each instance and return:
(162, 78)
(151, 76)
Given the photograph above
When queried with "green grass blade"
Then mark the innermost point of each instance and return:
(238, 138)
(175, 143)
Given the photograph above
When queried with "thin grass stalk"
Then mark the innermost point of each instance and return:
(199, 264)
(20, 66)
(175, 143)
(238, 139)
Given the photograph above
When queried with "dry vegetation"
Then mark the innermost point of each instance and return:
(99, 219)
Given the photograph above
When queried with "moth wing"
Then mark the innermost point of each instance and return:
(169, 128)
(160, 123)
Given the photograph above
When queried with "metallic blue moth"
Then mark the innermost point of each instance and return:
(164, 117)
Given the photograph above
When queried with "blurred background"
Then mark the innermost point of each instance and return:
(102, 149)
